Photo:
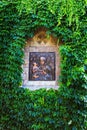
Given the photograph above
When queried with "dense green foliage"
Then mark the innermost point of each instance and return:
(66, 20)
(38, 110)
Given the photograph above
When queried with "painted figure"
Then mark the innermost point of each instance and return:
(35, 71)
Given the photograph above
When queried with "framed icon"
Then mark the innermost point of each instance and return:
(42, 66)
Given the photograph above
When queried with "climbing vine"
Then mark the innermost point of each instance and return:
(64, 19)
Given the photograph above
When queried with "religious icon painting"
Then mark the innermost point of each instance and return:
(42, 66)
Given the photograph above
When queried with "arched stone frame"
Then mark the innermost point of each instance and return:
(41, 42)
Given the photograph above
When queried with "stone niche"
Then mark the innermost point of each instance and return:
(41, 67)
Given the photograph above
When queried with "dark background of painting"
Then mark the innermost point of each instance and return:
(50, 61)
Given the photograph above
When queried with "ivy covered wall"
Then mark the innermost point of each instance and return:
(66, 20)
